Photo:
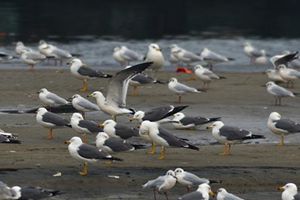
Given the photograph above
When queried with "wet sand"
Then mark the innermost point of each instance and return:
(253, 170)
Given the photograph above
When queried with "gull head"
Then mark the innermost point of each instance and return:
(269, 84)
(247, 44)
(205, 189)
(173, 80)
(109, 122)
(76, 116)
(179, 171)
(154, 47)
(16, 192)
(43, 90)
(179, 115)
(74, 141)
(198, 67)
(117, 49)
(43, 44)
(75, 61)
(217, 125)
(75, 96)
(170, 173)
(289, 190)
(282, 66)
(139, 115)
(101, 137)
(222, 191)
(97, 95)
(275, 116)
(41, 110)
(20, 44)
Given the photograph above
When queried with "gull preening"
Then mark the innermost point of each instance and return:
(281, 126)
(205, 75)
(224, 195)
(162, 184)
(124, 56)
(188, 122)
(51, 99)
(87, 153)
(114, 103)
(203, 192)
(179, 88)
(189, 179)
(278, 92)
(228, 135)
(83, 72)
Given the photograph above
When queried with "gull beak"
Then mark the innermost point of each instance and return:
(211, 193)
(89, 95)
(209, 127)
(69, 99)
(281, 188)
(159, 49)
(131, 119)
(67, 142)
(101, 125)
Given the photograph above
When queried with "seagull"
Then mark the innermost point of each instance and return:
(124, 55)
(81, 71)
(252, 52)
(189, 179)
(229, 135)
(205, 75)
(115, 101)
(51, 99)
(142, 79)
(283, 59)
(174, 49)
(224, 195)
(114, 129)
(282, 127)
(185, 56)
(8, 138)
(5, 56)
(213, 58)
(163, 137)
(32, 58)
(289, 192)
(113, 144)
(288, 74)
(52, 51)
(155, 56)
(87, 153)
(6, 192)
(263, 59)
(278, 92)
(84, 126)
(157, 114)
(50, 120)
(180, 88)
(35, 193)
(83, 105)
(187, 122)
(202, 193)
(162, 184)
(20, 48)
(273, 75)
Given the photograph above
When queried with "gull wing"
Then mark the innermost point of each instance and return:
(118, 86)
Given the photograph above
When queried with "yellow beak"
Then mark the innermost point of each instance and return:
(209, 127)
(281, 188)
(211, 193)
(101, 125)
(67, 142)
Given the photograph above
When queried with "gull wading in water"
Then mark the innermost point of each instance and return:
(115, 102)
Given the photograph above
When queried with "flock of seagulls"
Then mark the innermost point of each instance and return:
(111, 137)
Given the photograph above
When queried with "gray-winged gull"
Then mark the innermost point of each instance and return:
(20, 48)
(83, 72)
(288, 74)
(87, 153)
(124, 55)
(189, 179)
(224, 195)
(162, 137)
(229, 135)
(185, 56)
(252, 52)
(289, 192)
(33, 193)
(162, 184)
(278, 92)
(179, 88)
(282, 127)
(205, 75)
(115, 102)
(202, 193)
(283, 59)
(212, 58)
(273, 75)
(50, 120)
(32, 58)
(140, 80)
(83, 105)
(50, 98)
(114, 129)
(187, 122)
(53, 51)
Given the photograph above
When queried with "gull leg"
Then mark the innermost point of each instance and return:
(154, 194)
(84, 86)
(153, 149)
(279, 101)
(31, 67)
(179, 98)
(166, 195)
(85, 138)
(188, 189)
(135, 91)
(84, 170)
(281, 143)
(226, 151)
(162, 153)
(114, 117)
(50, 134)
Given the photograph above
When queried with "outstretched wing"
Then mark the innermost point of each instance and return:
(117, 88)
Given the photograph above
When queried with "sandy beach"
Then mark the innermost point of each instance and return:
(253, 171)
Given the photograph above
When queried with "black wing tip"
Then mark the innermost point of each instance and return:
(258, 137)
(116, 159)
(231, 59)
(222, 77)
(193, 147)
(213, 119)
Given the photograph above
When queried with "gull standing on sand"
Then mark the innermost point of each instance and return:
(278, 92)
(163, 137)
(53, 51)
(81, 71)
(51, 99)
(224, 195)
(282, 127)
(84, 126)
(114, 129)
(205, 75)
(213, 58)
(273, 75)
(180, 88)
(187, 122)
(83, 105)
(157, 114)
(288, 74)
(162, 184)
(155, 56)
(112, 144)
(124, 55)
(202, 193)
(189, 179)
(115, 102)
(50, 120)
(31, 58)
(289, 192)
(283, 59)
(229, 135)
(34, 193)
(87, 153)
